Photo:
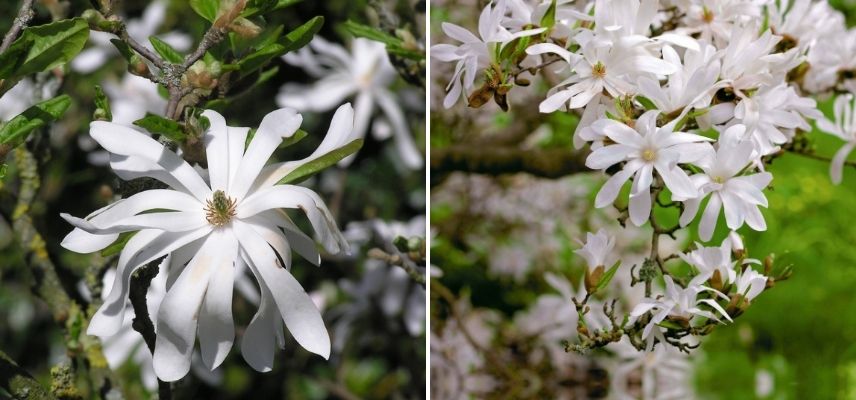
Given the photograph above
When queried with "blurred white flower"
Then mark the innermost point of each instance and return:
(214, 229)
(17, 99)
(645, 149)
(599, 250)
(140, 30)
(844, 127)
(364, 73)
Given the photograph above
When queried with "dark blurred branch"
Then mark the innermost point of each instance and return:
(18, 382)
(25, 14)
(546, 163)
(140, 282)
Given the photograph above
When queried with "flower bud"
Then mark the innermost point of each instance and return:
(138, 66)
(245, 28)
(203, 75)
(736, 244)
(592, 278)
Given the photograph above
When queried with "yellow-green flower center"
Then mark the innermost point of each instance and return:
(649, 155)
(598, 70)
(220, 209)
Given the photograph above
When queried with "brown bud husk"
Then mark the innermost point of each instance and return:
(592, 278)
(480, 97)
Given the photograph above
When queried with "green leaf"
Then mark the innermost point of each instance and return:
(302, 35)
(124, 49)
(166, 51)
(16, 130)
(393, 44)
(312, 167)
(670, 325)
(117, 246)
(646, 102)
(604, 280)
(206, 8)
(296, 137)
(102, 105)
(47, 46)
(259, 58)
(256, 7)
(549, 18)
(162, 126)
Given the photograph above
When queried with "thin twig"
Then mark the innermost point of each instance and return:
(25, 14)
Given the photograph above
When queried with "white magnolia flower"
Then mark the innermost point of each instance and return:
(215, 226)
(843, 127)
(746, 61)
(475, 52)
(645, 149)
(750, 284)
(679, 303)
(140, 30)
(602, 66)
(708, 261)
(804, 21)
(665, 373)
(773, 114)
(740, 195)
(599, 250)
(691, 86)
(364, 73)
(715, 19)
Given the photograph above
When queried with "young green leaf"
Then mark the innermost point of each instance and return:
(259, 58)
(166, 51)
(549, 18)
(102, 106)
(302, 35)
(162, 126)
(47, 46)
(124, 49)
(206, 8)
(646, 102)
(312, 167)
(296, 137)
(604, 280)
(16, 130)
(117, 246)
(393, 44)
(670, 325)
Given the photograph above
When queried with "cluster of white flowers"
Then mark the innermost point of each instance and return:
(689, 101)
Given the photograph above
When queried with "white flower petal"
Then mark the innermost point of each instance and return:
(216, 326)
(300, 314)
(179, 312)
(125, 141)
(276, 125)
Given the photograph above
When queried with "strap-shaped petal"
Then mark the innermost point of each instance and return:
(300, 314)
(122, 140)
(275, 126)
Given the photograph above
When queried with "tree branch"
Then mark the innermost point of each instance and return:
(25, 14)
(547, 163)
(140, 282)
(19, 383)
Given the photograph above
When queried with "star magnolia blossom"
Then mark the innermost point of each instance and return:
(366, 73)
(740, 195)
(645, 149)
(843, 127)
(474, 52)
(710, 260)
(599, 250)
(681, 304)
(215, 226)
